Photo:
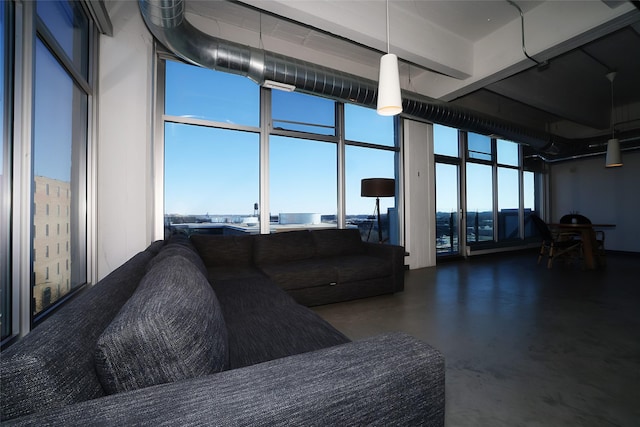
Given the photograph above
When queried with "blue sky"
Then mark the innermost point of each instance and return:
(53, 117)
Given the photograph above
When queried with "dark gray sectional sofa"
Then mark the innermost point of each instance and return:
(314, 266)
(161, 341)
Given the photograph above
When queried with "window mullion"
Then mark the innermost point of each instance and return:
(341, 214)
(265, 131)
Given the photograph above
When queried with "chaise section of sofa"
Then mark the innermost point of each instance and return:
(386, 380)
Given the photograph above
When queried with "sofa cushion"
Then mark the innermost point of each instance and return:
(217, 250)
(361, 267)
(259, 335)
(239, 295)
(303, 274)
(173, 249)
(338, 242)
(171, 328)
(283, 247)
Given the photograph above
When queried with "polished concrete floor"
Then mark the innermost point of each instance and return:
(524, 345)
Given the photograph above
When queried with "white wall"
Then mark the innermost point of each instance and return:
(419, 200)
(124, 199)
(604, 195)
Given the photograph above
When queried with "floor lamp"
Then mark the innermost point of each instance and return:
(378, 187)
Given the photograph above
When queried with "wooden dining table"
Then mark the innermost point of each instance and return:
(587, 233)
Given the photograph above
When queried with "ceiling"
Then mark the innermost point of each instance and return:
(545, 70)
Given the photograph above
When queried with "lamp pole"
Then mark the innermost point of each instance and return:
(379, 221)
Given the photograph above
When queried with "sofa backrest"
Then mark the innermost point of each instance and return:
(221, 250)
(53, 365)
(338, 242)
(172, 328)
(278, 248)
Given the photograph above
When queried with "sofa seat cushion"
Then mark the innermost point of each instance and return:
(258, 293)
(225, 251)
(361, 267)
(233, 272)
(338, 242)
(303, 274)
(283, 247)
(260, 335)
(171, 328)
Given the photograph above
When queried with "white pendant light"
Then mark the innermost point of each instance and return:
(389, 97)
(613, 153)
(614, 158)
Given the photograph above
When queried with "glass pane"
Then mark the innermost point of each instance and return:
(479, 203)
(202, 93)
(529, 202)
(447, 209)
(478, 146)
(507, 152)
(366, 125)
(508, 202)
(445, 141)
(363, 163)
(303, 183)
(5, 193)
(211, 180)
(70, 27)
(59, 182)
(303, 113)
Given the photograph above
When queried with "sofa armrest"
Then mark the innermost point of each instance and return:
(390, 379)
(396, 254)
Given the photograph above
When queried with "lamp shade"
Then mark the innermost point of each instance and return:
(378, 187)
(389, 98)
(614, 157)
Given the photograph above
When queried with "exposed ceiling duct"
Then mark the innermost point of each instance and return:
(166, 21)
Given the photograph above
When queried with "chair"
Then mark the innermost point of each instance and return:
(555, 244)
(600, 236)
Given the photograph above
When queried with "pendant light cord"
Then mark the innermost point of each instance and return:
(388, 50)
(613, 127)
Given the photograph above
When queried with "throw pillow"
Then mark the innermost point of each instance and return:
(171, 328)
(173, 249)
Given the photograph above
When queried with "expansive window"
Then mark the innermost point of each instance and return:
(59, 187)
(211, 176)
(211, 151)
(496, 195)
(447, 208)
(46, 117)
(232, 158)
(369, 153)
(362, 163)
(303, 171)
(479, 202)
(508, 190)
(303, 181)
(446, 149)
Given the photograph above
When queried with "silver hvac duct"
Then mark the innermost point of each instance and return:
(166, 21)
